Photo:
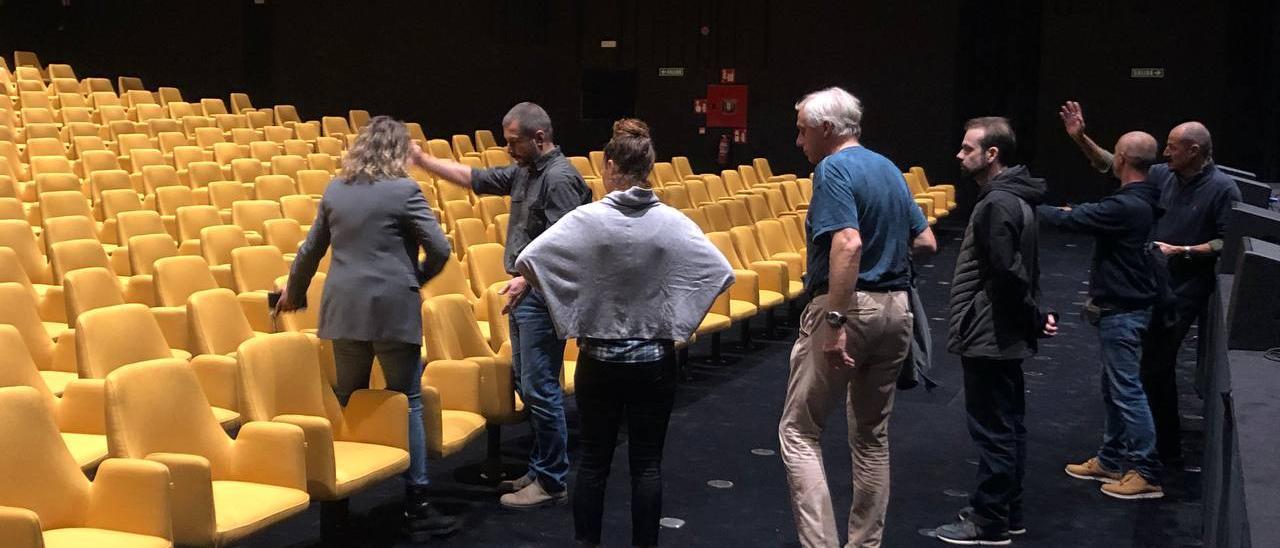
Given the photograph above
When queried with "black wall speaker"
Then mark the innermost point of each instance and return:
(1253, 192)
(1253, 317)
(1246, 221)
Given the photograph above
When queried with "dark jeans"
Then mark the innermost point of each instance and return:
(608, 394)
(1129, 438)
(994, 398)
(1160, 375)
(537, 355)
(402, 367)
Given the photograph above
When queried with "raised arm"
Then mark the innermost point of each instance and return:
(1073, 122)
(458, 174)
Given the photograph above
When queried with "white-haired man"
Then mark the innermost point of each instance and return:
(862, 227)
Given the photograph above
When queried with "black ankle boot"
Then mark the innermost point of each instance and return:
(422, 521)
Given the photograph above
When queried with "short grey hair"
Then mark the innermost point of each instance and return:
(529, 118)
(1194, 133)
(834, 106)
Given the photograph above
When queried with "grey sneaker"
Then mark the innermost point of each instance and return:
(511, 486)
(1015, 523)
(968, 533)
(533, 496)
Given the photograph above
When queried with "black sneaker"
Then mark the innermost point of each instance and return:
(967, 533)
(1015, 523)
(422, 521)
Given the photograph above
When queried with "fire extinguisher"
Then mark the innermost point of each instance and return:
(722, 155)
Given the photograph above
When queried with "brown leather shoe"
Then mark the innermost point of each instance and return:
(1092, 470)
(533, 496)
(1133, 487)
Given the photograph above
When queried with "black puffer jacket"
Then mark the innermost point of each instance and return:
(995, 293)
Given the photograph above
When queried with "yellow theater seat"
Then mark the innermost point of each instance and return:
(109, 338)
(223, 489)
(78, 413)
(48, 502)
(348, 449)
(54, 355)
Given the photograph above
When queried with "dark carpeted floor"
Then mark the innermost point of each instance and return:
(725, 428)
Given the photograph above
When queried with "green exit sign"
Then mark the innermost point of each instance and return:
(1146, 72)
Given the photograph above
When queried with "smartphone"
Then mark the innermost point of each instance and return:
(273, 297)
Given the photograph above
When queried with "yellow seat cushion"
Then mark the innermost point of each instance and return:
(57, 380)
(357, 465)
(570, 368)
(87, 449)
(770, 299)
(794, 289)
(225, 417)
(484, 329)
(459, 427)
(241, 508)
(712, 323)
(741, 310)
(80, 537)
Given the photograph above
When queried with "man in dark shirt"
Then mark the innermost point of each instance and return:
(543, 186)
(1195, 198)
(856, 330)
(1122, 290)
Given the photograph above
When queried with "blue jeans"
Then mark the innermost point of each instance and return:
(536, 358)
(1130, 436)
(402, 367)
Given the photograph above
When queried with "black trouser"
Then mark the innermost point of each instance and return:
(1160, 374)
(642, 394)
(994, 398)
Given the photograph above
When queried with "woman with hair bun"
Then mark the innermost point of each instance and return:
(628, 277)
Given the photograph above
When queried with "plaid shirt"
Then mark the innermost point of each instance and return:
(626, 350)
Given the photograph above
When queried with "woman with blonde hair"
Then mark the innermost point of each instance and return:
(374, 217)
(628, 277)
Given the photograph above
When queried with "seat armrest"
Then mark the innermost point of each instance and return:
(272, 453)
(459, 382)
(192, 497)
(433, 421)
(773, 275)
(131, 495)
(220, 379)
(254, 305)
(20, 528)
(173, 323)
(321, 464)
(379, 417)
(81, 409)
(746, 286)
(64, 353)
(53, 306)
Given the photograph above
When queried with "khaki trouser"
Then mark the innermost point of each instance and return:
(878, 336)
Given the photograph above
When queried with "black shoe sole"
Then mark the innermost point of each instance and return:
(424, 535)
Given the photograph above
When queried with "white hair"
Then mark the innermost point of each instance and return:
(834, 106)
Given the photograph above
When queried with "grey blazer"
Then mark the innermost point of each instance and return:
(371, 293)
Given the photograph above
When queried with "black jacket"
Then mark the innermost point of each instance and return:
(1122, 269)
(995, 293)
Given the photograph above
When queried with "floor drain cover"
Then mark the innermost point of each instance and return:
(955, 493)
(671, 523)
(763, 452)
(721, 484)
(927, 532)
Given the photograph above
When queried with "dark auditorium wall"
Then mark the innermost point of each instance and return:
(920, 67)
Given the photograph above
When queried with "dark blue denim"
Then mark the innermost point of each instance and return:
(1130, 436)
(537, 355)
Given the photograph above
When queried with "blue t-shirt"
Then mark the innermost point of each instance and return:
(857, 188)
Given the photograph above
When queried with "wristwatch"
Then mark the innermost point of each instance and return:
(1186, 250)
(835, 319)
